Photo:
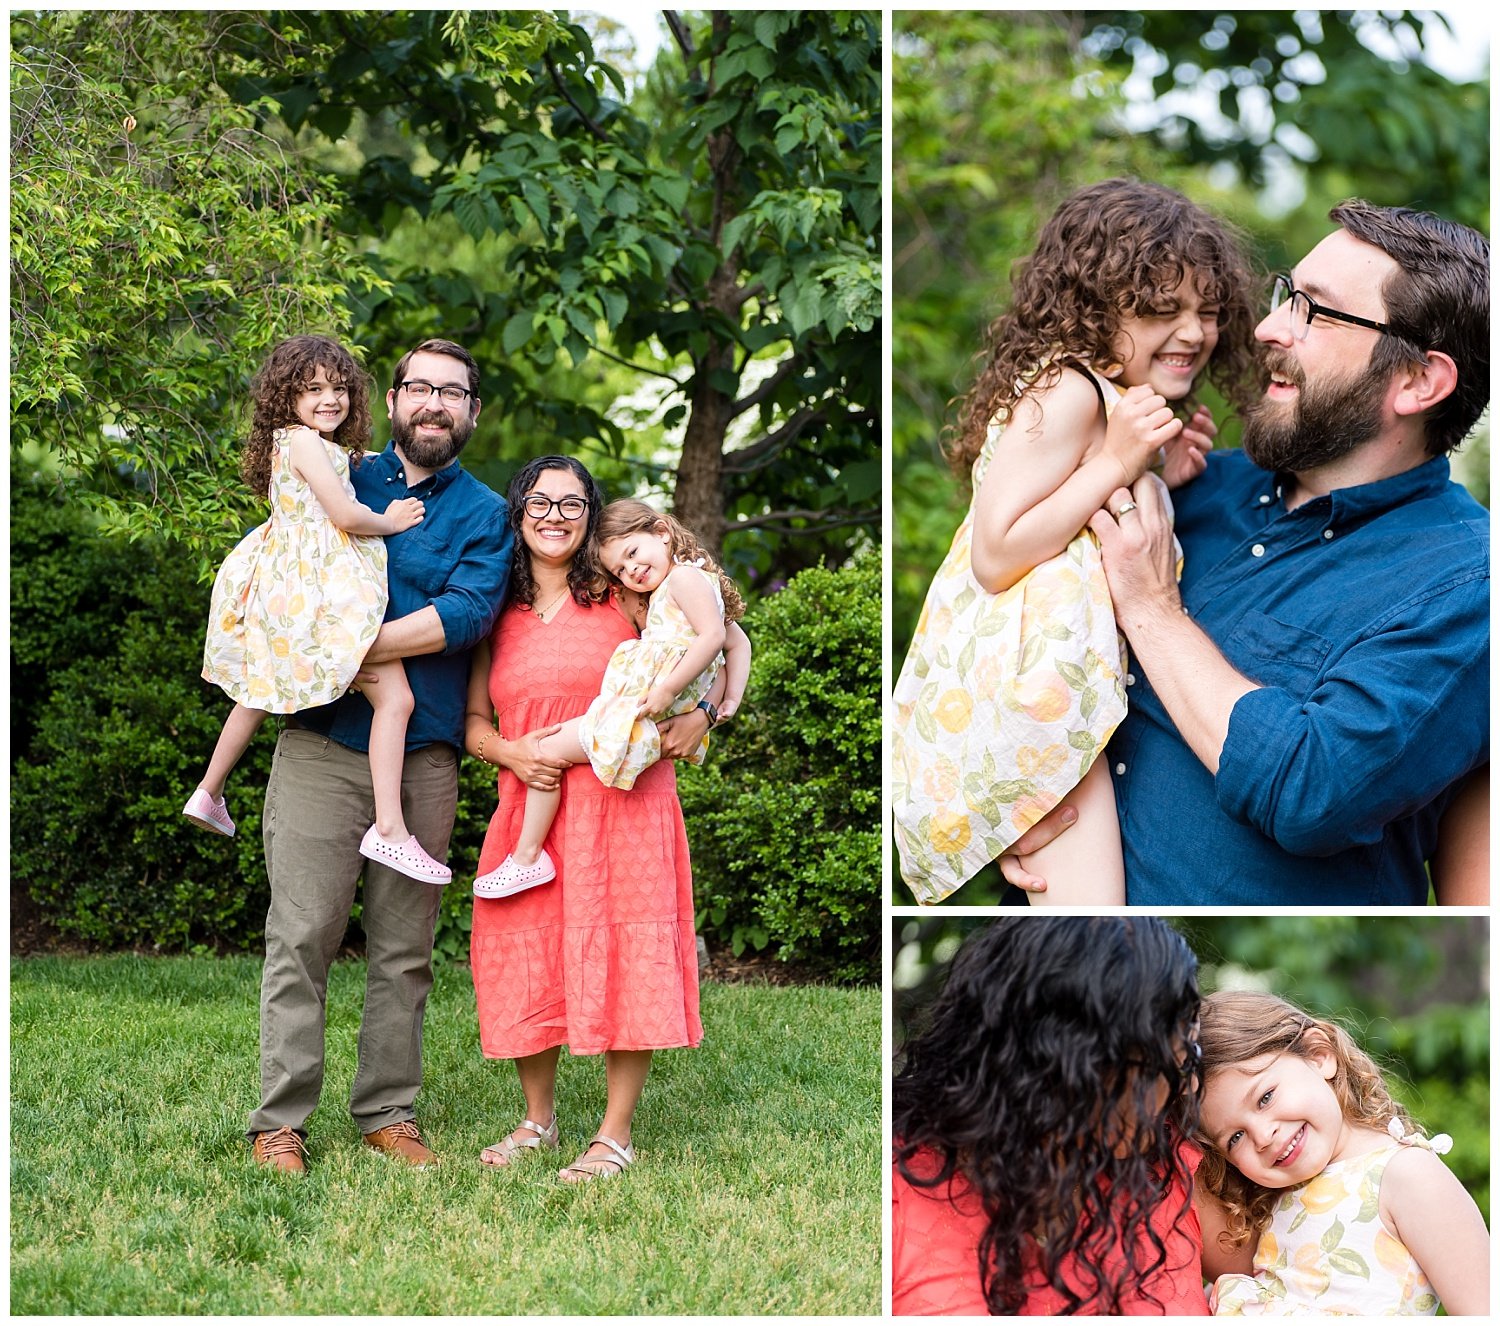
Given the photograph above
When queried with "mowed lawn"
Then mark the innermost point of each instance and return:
(757, 1189)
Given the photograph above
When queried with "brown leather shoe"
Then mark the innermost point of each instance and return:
(282, 1150)
(403, 1141)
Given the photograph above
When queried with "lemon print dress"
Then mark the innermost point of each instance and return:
(297, 602)
(1004, 702)
(1327, 1253)
(619, 745)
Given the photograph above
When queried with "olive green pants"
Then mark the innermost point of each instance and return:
(319, 803)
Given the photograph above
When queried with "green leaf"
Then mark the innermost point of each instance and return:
(517, 332)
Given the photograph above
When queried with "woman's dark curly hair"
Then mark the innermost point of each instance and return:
(1242, 1027)
(1112, 250)
(287, 372)
(628, 516)
(584, 571)
(1038, 1080)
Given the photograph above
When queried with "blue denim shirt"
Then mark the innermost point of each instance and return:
(1363, 616)
(457, 560)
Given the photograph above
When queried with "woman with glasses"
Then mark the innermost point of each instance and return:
(1040, 1124)
(603, 960)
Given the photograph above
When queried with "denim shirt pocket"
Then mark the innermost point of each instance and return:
(1275, 653)
(423, 561)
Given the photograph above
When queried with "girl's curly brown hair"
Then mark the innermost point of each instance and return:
(627, 516)
(1237, 1027)
(1112, 250)
(288, 370)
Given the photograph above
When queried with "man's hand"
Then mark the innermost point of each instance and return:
(1140, 557)
(1034, 839)
(1186, 455)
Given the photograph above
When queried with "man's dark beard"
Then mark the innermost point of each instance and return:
(1324, 423)
(435, 452)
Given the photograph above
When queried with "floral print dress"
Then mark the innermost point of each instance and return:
(620, 746)
(297, 602)
(1326, 1251)
(1004, 702)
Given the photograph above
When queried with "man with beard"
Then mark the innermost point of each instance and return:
(447, 578)
(1305, 704)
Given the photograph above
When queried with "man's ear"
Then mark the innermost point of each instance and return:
(1420, 386)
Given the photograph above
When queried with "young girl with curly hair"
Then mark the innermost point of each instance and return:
(691, 634)
(1317, 1193)
(1016, 676)
(1041, 1121)
(300, 598)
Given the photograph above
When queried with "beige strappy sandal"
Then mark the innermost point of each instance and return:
(586, 1167)
(508, 1151)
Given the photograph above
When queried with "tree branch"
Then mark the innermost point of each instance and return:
(760, 454)
(766, 388)
(780, 521)
(680, 34)
(563, 92)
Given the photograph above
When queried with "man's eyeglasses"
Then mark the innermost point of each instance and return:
(1305, 308)
(421, 391)
(570, 508)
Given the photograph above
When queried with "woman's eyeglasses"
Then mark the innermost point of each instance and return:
(570, 508)
(1305, 308)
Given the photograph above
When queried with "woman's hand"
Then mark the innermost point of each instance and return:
(1187, 453)
(524, 758)
(681, 736)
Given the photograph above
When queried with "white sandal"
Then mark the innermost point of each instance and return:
(584, 1166)
(508, 1151)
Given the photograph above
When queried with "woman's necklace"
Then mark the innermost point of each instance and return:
(542, 612)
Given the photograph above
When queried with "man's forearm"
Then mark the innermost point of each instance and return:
(1196, 683)
(419, 632)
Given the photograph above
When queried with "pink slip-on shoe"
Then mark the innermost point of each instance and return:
(510, 876)
(212, 815)
(410, 857)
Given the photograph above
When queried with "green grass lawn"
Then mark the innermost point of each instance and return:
(133, 1192)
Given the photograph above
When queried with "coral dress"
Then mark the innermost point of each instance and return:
(935, 1235)
(1327, 1252)
(604, 957)
(620, 745)
(297, 602)
(1003, 704)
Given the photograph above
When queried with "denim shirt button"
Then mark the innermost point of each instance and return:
(1259, 550)
(1265, 499)
(1120, 768)
(1328, 534)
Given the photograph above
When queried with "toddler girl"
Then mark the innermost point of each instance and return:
(299, 600)
(1317, 1195)
(691, 633)
(1016, 674)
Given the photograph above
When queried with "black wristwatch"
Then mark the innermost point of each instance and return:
(711, 710)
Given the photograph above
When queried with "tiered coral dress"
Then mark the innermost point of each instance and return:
(297, 602)
(603, 957)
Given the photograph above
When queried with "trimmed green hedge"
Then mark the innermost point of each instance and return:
(112, 727)
(784, 817)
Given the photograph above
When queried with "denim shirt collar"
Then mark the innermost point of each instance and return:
(1365, 501)
(388, 463)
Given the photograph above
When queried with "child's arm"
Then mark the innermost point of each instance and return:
(1429, 1210)
(311, 464)
(1187, 454)
(736, 669)
(1039, 492)
(1219, 1258)
(696, 599)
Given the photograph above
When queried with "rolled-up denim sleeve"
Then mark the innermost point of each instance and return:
(1393, 720)
(475, 589)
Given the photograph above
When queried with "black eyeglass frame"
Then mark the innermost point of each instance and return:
(553, 502)
(1282, 282)
(433, 390)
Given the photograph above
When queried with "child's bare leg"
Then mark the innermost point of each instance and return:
(234, 740)
(391, 699)
(541, 807)
(1084, 866)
